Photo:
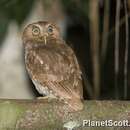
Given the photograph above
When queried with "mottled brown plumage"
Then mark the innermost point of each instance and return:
(52, 64)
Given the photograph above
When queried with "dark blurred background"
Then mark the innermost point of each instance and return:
(98, 31)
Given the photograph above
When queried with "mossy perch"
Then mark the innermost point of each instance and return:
(44, 115)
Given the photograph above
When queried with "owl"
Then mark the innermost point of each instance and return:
(52, 64)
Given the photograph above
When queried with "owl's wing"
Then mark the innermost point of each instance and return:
(57, 68)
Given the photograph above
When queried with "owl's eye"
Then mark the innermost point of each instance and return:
(35, 31)
(50, 29)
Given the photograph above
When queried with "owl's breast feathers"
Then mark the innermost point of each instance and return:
(56, 67)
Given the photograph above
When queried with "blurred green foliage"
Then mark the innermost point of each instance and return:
(77, 7)
(16, 10)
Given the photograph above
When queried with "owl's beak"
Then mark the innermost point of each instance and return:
(44, 38)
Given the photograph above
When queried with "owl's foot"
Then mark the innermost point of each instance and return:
(48, 98)
(43, 98)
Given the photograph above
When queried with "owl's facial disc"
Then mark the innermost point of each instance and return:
(41, 32)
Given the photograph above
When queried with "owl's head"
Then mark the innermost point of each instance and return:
(40, 32)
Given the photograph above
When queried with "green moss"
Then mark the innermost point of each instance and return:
(9, 113)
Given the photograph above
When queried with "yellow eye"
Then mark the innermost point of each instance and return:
(35, 31)
(50, 29)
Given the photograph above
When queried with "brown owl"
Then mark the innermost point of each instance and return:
(52, 64)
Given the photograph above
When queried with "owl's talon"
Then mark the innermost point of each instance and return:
(43, 98)
(48, 98)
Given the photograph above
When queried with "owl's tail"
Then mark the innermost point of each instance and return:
(74, 105)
